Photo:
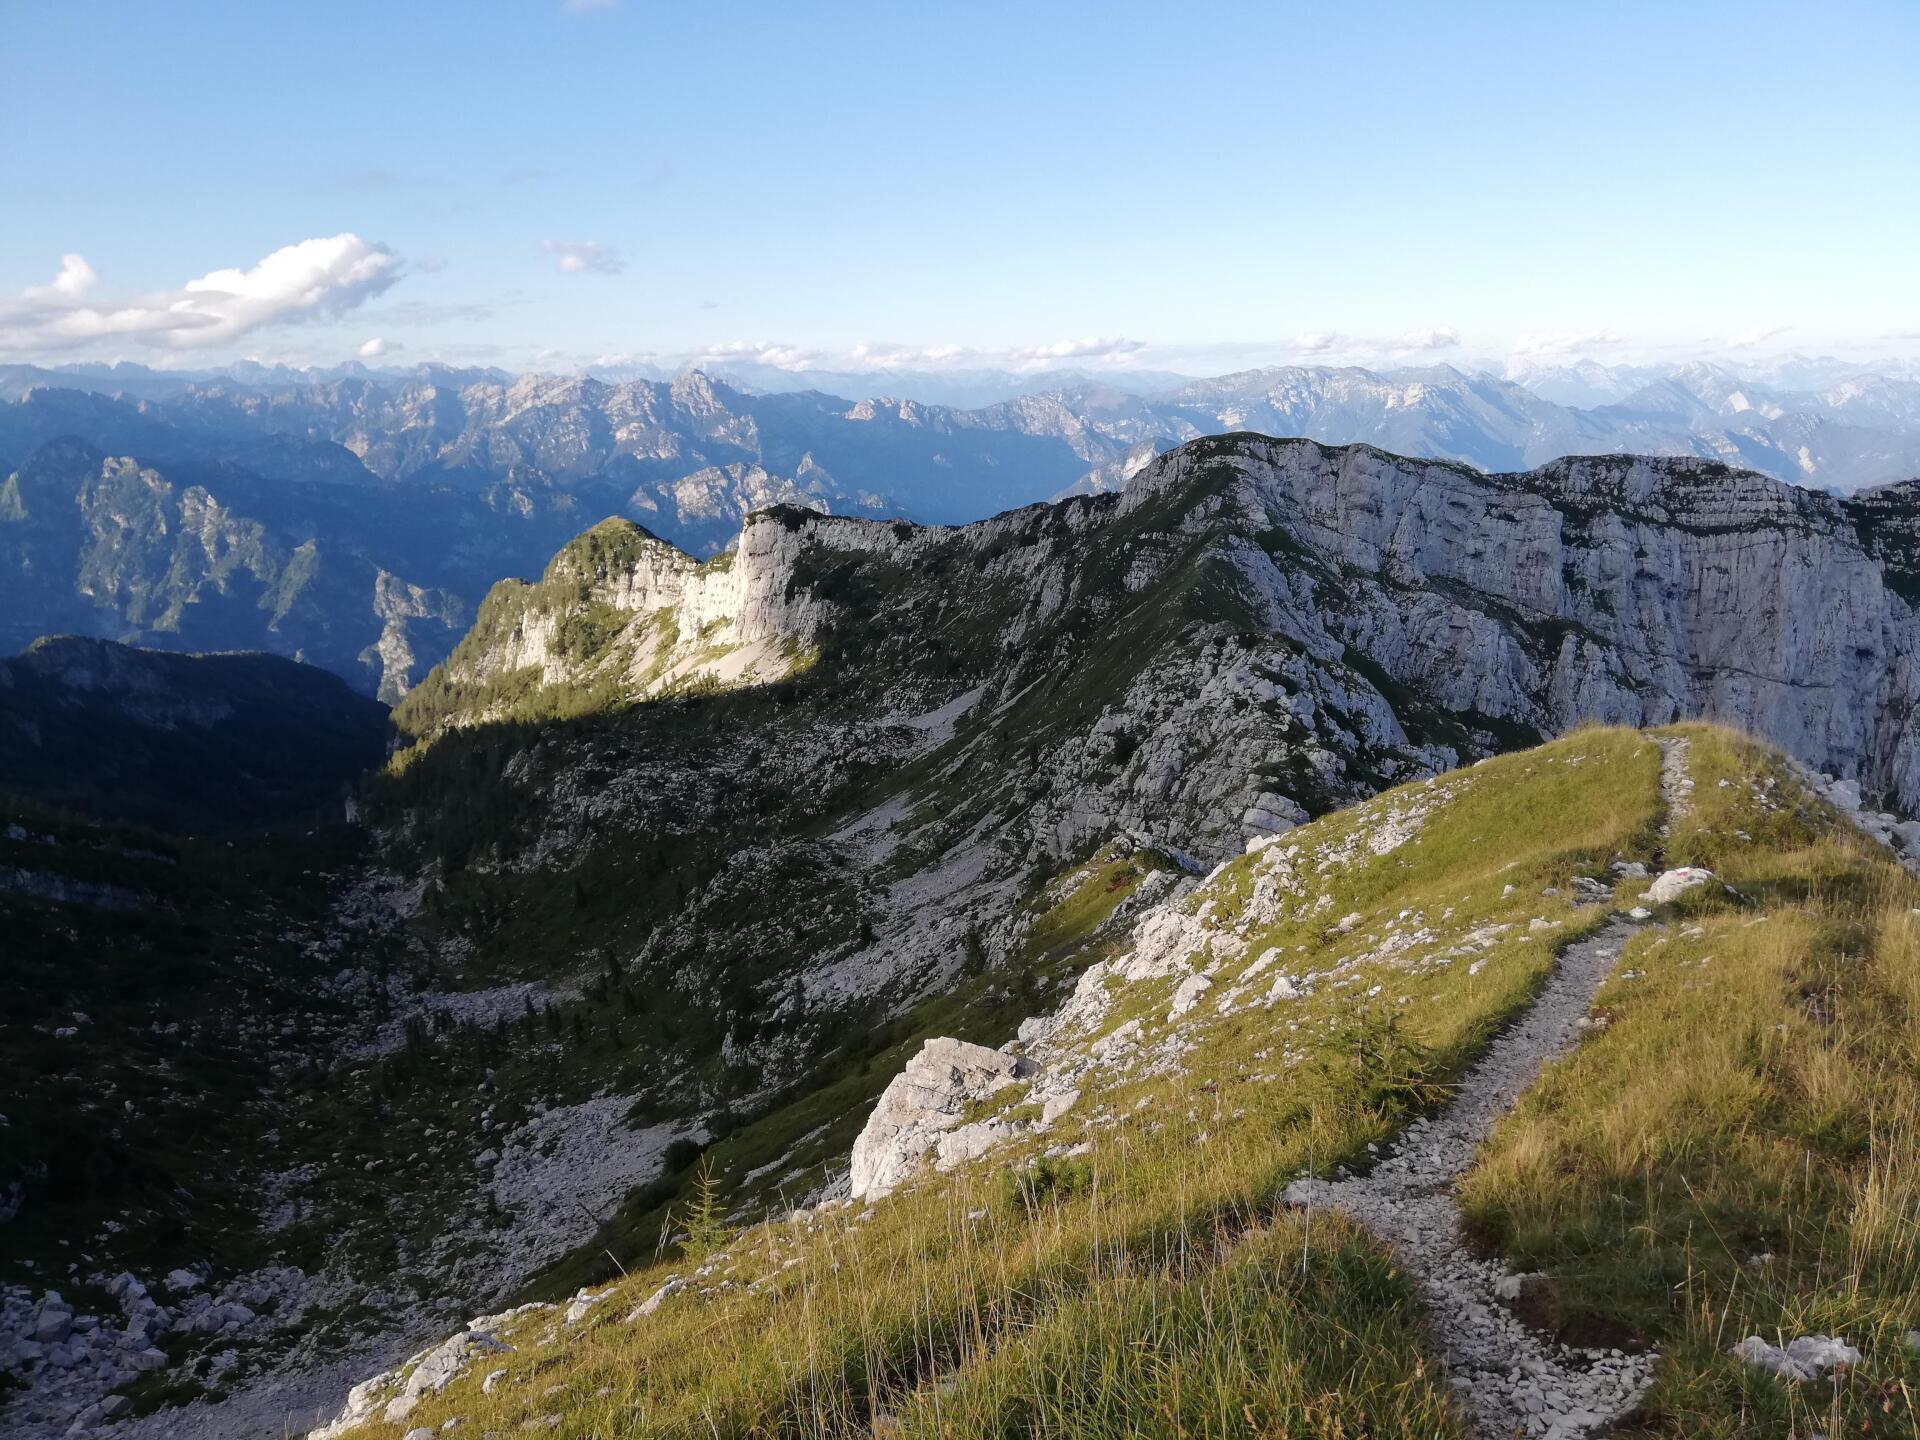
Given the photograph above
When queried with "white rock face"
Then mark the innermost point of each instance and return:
(923, 1103)
(1187, 995)
(1619, 589)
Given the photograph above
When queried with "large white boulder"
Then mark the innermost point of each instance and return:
(1670, 885)
(925, 1101)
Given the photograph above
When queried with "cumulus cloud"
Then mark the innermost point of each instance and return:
(581, 257)
(376, 347)
(1111, 349)
(315, 279)
(869, 357)
(759, 352)
(75, 279)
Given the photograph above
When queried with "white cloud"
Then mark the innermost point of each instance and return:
(1443, 338)
(376, 347)
(1333, 346)
(1757, 336)
(1567, 342)
(578, 257)
(870, 356)
(760, 352)
(1095, 347)
(76, 277)
(314, 279)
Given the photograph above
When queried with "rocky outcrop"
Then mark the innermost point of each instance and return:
(923, 1108)
(621, 616)
(1617, 589)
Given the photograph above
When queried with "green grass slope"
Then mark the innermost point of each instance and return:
(1752, 1092)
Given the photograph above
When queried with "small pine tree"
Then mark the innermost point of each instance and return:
(704, 1219)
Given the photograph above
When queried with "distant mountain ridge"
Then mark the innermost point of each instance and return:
(356, 520)
(180, 741)
(1818, 422)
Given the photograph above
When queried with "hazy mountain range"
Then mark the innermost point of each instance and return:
(355, 517)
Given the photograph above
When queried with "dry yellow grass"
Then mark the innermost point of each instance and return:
(1736, 1153)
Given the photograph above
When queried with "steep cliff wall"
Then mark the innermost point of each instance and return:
(1610, 588)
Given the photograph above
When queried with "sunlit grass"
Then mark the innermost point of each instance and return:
(1736, 1153)
(1733, 1151)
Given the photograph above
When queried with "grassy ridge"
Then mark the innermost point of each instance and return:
(1149, 1284)
(1739, 1152)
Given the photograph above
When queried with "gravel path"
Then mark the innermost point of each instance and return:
(1510, 1379)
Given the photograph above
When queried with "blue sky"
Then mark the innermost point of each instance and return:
(1198, 186)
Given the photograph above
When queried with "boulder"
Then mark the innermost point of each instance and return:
(582, 1303)
(1806, 1358)
(969, 1142)
(1187, 995)
(437, 1368)
(923, 1102)
(362, 1400)
(1670, 885)
(399, 1408)
(53, 1324)
(675, 1284)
